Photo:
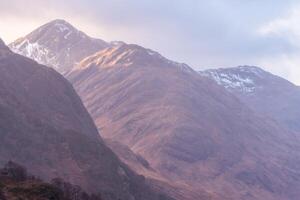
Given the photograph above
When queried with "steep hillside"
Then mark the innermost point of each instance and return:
(191, 131)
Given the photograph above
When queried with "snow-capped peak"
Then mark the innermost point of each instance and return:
(243, 78)
(62, 27)
(57, 44)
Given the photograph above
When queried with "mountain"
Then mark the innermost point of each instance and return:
(57, 44)
(201, 141)
(264, 92)
(45, 127)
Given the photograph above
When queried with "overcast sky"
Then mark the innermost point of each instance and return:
(204, 34)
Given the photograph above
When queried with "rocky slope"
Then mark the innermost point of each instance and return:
(45, 127)
(195, 134)
(57, 44)
(264, 92)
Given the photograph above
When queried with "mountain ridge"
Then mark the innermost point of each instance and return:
(127, 55)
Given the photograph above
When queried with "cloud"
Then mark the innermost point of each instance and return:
(204, 34)
(285, 29)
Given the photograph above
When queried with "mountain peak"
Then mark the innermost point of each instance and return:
(59, 29)
(59, 25)
(60, 21)
(243, 78)
(57, 44)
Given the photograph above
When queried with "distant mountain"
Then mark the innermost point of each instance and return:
(201, 139)
(262, 91)
(45, 127)
(57, 44)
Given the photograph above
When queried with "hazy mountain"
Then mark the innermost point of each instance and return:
(57, 44)
(45, 127)
(262, 91)
(188, 129)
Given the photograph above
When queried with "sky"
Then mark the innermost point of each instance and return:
(204, 34)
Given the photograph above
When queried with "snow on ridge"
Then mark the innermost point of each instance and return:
(235, 80)
(68, 34)
(251, 70)
(35, 51)
(151, 53)
(61, 27)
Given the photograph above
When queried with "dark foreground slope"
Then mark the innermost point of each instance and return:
(196, 135)
(45, 127)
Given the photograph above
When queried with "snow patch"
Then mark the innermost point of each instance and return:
(68, 34)
(234, 81)
(61, 27)
(36, 52)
